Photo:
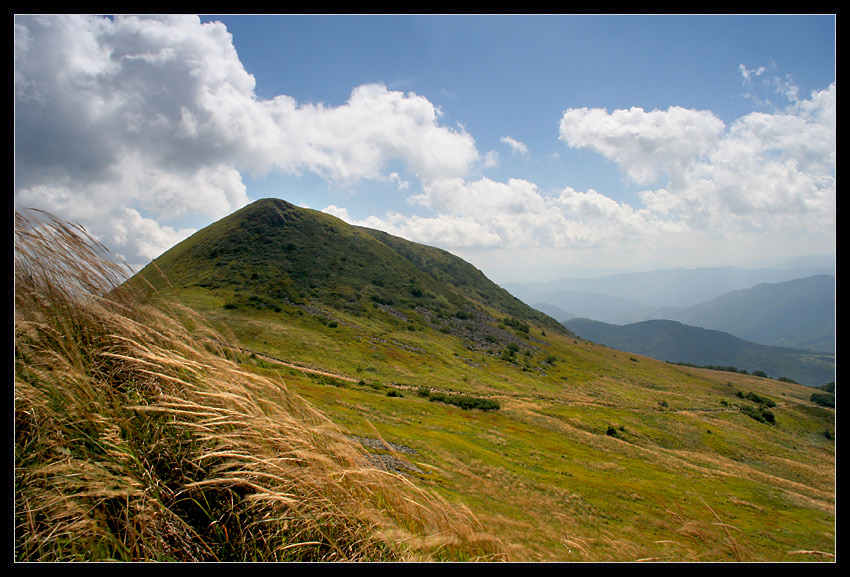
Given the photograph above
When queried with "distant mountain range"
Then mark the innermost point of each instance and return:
(675, 342)
(798, 313)
(794, 312)
(663, 287)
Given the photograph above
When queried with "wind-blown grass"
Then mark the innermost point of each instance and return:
(136, 439)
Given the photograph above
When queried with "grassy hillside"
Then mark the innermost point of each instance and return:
(138, 441)
(535, 445)
(675, 342)
(272, 254)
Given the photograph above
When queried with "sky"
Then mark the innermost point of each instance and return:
(533, 146)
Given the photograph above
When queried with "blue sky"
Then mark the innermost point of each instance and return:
(532, 146)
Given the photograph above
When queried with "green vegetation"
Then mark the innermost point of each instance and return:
(465, 401)
(756, 398)
(823, 399)
(591, 456)
(273, 255)
(135, 441)
(760, 414)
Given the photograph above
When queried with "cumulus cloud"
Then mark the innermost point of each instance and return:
(517, 146)
(514, 215)
(646, 145)
(772, 171)
(154, 118)
(129, 124)
(766, 181)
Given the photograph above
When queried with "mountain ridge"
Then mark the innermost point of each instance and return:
(797, 313)
(667, 287)
(673, 341)
(272, 254)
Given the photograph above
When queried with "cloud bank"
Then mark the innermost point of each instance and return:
(130, 124)
(762, 186)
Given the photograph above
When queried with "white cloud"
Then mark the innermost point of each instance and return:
(128, 124)
(158, 115)
(357, 140)
(517, 146)
(486, 214)
(764, 186)
(646, 145)
(773, 172)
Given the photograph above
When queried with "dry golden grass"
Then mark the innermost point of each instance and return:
(136, 440)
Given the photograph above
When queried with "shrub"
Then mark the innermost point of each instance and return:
(466, 402)
(766, 401)
(823, 399)
(760, 414)
(756, 398)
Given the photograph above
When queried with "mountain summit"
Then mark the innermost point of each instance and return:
(272, 253)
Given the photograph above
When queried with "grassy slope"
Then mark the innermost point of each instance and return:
(136, 440)
(272, 253)
(684, 475)
(681, 453)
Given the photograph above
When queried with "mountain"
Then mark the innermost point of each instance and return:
(798, 313)
(559, 448)
(553, 311)
(658, 288)
(675, 342)
(271, 254)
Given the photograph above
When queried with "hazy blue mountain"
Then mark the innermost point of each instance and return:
(595, 306)
(556, 313)
(663, 287)
(799, 313)
(675, 342)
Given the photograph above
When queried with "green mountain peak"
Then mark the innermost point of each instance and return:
(271, 253)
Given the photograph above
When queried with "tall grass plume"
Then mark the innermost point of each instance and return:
(139, 440)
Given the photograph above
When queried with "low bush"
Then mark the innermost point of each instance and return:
(760, 414)
(823, 399)
(466, 402)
